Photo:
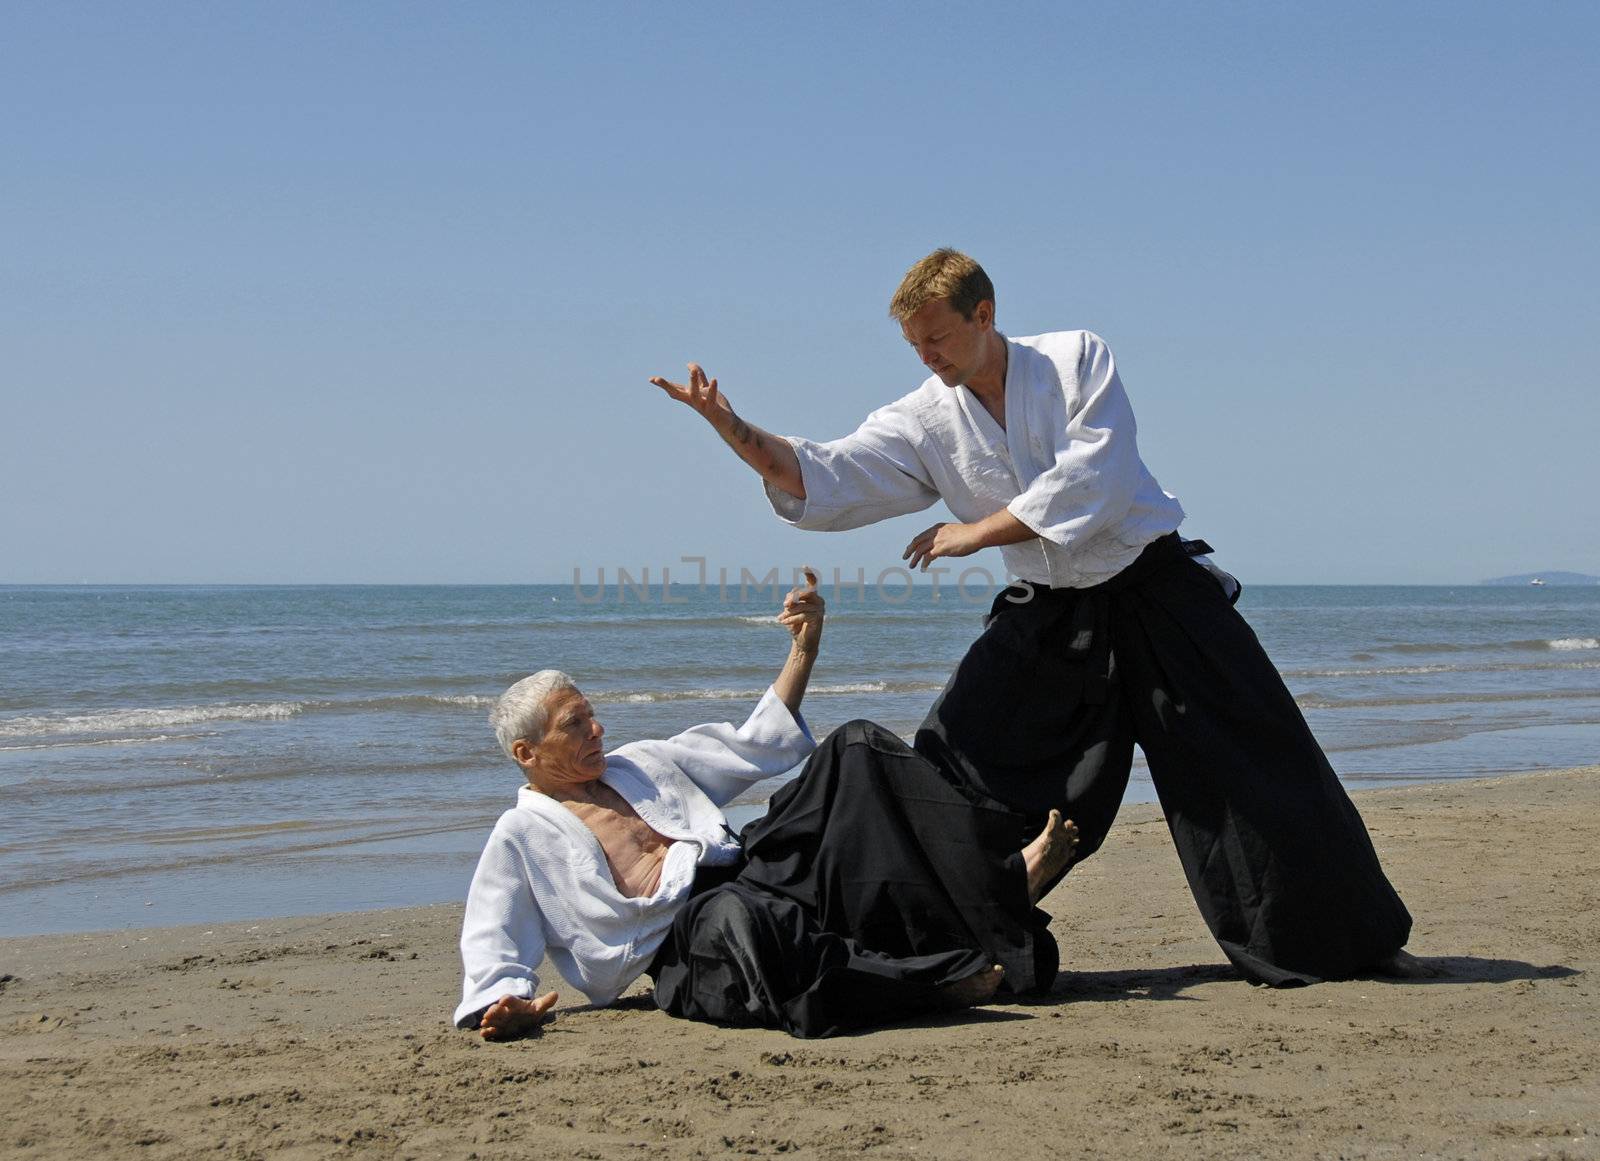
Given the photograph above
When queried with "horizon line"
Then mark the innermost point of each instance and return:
(753, 587)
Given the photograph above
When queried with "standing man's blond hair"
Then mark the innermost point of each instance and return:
(945, 274)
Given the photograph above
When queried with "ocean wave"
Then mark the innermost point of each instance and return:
(581, 622)
(1379, 671)
(462, 687)
(137, 740)
(841, 689)
(1534, 645)
(111, 721)
(1323, 701)
(77, 869)
(1423, 670)
(79, 729)
(121, 720)
(56, 785)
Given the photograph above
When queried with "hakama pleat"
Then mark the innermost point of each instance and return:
(871, 883)
(1046, 707)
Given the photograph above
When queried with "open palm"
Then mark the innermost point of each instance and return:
(699, 393)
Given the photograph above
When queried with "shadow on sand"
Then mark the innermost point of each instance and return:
(1167, 983)
(1472, 969)
(1171, 983)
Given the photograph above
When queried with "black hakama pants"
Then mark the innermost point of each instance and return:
(871, 883)
(1047, 705)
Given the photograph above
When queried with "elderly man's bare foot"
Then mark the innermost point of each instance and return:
(1046, 855)
(1402, 965)
(511, 1016)
(978, 988)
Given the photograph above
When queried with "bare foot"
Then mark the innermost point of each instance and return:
(511, 1016)
(1046, 855)
(978, 988)
(1402, 965)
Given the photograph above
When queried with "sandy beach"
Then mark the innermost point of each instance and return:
(327, 1036)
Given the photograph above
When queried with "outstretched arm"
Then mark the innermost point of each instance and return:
(768, 454)
(803, 610)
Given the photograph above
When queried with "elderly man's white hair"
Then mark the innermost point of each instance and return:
(520, 712)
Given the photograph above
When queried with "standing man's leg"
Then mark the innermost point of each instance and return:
(1021, 721)
(1276, 854)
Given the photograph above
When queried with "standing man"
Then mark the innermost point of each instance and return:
(1112, 636)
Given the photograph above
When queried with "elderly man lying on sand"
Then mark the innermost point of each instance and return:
(872, 890)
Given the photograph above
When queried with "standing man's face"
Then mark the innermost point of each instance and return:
(948, 345)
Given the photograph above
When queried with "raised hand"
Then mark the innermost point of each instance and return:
(699, 393)
(768, 454)
(803, 613)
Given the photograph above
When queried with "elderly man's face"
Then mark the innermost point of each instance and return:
(570, 750)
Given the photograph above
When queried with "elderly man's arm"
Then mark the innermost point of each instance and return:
(724, 760)
(803, 611)
(502, 939)
(770, 455)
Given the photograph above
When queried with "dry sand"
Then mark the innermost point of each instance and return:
(328, 1036)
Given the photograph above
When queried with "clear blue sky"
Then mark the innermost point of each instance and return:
(370, 292)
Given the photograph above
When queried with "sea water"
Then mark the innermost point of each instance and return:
(191, 754)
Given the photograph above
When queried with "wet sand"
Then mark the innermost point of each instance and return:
(328, 1036)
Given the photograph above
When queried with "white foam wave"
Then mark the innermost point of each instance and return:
(656, 695)
(1424, 670)
(133, 741)
(1537, 645)
(1379, 671)
(1317, 700)
(110, 721)
(835, 690)
(113, 727)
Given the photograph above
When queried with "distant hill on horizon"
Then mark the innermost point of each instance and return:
(1549, 578)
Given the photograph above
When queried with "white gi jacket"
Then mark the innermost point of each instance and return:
(1067, 464)
(542, 884)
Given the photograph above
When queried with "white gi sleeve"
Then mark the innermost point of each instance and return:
(1097, 469)
(870, 475)
(502, 935)
(723, 760)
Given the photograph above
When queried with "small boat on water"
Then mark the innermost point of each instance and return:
(1536, 581)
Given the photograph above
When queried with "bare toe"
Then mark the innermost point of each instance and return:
(978, 988)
